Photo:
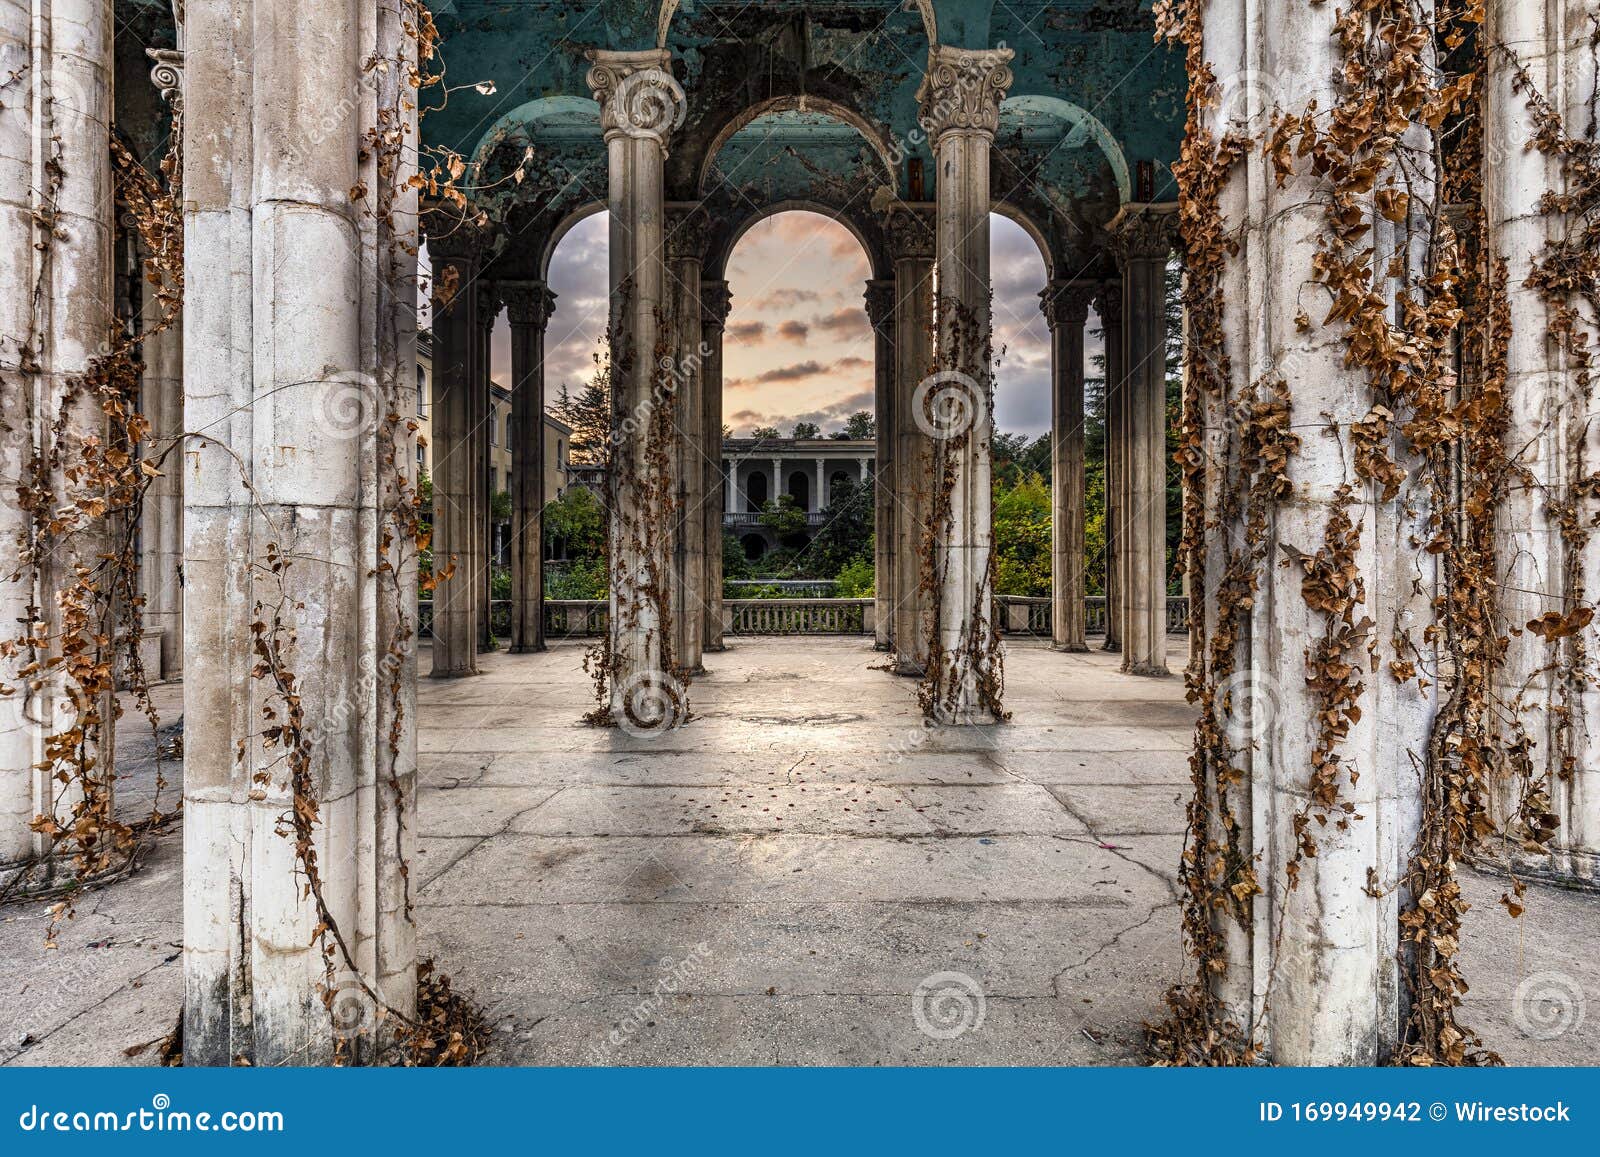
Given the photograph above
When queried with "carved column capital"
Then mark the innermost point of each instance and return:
(638, 95)
(167, 75)
(528, 303)
(880, 306)
(715, 301)
(962, 90)
(686, 231)
(489, 304)
(1108, 302)
(910, 234)
(1142, 232)
(1067, 302)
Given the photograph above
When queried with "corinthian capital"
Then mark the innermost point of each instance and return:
(638, 95)
(910, 233)
(527, 302)
(1067, 302)
(1143, 232)
(963, 89)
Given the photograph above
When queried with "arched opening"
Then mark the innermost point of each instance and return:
(799, 382)
(799, 489)
(756, 492)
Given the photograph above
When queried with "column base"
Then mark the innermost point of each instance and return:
(437, 674)
(1071, 648)
(526, 649)
(715, 648)
(908, 670)
(1147, 670)
(1111, 646)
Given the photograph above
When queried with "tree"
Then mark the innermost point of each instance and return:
(1022, 538)
(575, 526)
(805, 430)
(784, 518)
(861, 426)
(765, 433)
(589, 414)
(847, 529)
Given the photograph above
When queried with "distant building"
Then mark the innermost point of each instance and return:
(757, 471)
(557, 434)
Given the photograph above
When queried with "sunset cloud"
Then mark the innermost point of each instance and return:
(796, 331)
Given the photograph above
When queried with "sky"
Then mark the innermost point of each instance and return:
(798, 346)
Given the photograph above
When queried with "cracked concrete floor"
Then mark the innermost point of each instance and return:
(773, 882)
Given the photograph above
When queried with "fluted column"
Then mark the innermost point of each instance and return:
(640, 107)
(529, 305)
(720, 492)
(1142, 239)
(299, 352)
(56, 298)
(484, 435)
(961, 97)
(1548, 552)
(456, 414)
(880, 313)
(911, 246)
(1066, 307)
(685, 362)
(1108, 305)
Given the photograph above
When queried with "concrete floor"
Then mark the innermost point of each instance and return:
(778, 881)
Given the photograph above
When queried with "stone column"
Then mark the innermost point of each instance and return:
(299, 349)
(911, 245)
(721, 491)
(684, 361)
(1142, 240)
(56, 299)
(161, 518)
(484, 435)
(1549, 687)
(880, 313)
(641, 105)
(529, 305)
(1108, 305)
(961, 97)
(1329, 988)
(822, 485)
(456, 415)
(1066, 307)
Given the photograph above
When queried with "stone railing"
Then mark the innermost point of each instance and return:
(799, 616)
(586, 618)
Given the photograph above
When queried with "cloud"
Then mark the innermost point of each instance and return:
(785, 298)
(793, 373)
(851, 363)
(795, 331)
(748, 332)
(846, 322)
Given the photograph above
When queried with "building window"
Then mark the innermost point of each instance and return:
(755, 488)
(510, 441)
(422, 391)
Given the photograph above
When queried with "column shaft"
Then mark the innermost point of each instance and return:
(1109, 306)
(721, 493)
(456, 612)
(881, 315)
(686, 244)
(1143, 238)
(912, 241)
(528, 308)
(1066, 306)
(485, 433)
(299, 347)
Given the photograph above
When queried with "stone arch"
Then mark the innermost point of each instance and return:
(560, 231)
(1019, 111)
(1029, 226)
(724, 241)
(802, 102)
